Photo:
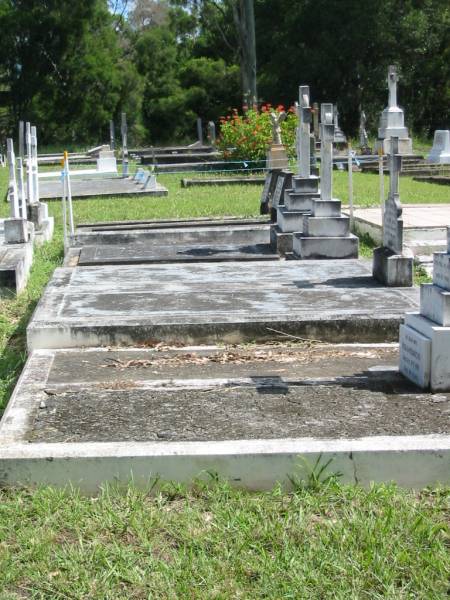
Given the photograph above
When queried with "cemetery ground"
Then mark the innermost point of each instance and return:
(322, 540)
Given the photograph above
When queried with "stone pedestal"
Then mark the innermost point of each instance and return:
(425, 336)
(106, 162)
(404, 146)
(297, 203)
(326, 233)
(277, 157)
(16, 231)
(37, 214)
(392, 270)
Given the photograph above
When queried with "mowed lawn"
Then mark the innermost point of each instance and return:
(323, 540)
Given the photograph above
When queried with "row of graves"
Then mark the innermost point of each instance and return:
(169, 349)
(28, 223)
(105, 179)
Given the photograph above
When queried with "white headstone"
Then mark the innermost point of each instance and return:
(30, 194)
(440, 152)
(303, 133)
(393, 221)
(34, 165)
(12, 184)
(326, 151)
(392, 121)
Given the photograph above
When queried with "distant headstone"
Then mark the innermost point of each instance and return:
(425, 336)
(390, 266)
(200, 131)
(112, 139)
(363, 137)
(316, 127)
(106, 162)
(277, 157)
(392, 121)
(124, 132)
(268, 190)
(339, 137)
(212, 133)
(15, 228)
(440, 152)
(21, 139)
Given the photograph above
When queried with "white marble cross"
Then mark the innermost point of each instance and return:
(304, 144)
(392, 85)
(12, 185)
(30, 194)
(326, 151)
(34, 164)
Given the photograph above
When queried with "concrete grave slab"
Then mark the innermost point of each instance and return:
(230, 302)
(256, 415)
(86, 188)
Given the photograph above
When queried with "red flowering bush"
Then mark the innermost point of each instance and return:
(248, 136)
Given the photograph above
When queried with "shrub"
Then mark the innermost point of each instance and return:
(248, 136)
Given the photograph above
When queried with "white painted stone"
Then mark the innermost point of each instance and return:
(435, 304)
(289, 220)
(327, 226)
(299, 202)
(440, 152)
(415, 356)
(441, 270)
(440, 345)
(326, 208)
(306, 185)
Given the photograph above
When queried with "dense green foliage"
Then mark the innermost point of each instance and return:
(71, 66)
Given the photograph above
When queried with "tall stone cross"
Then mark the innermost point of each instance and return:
(392, 85)
(30, 194)
(124, 132)
(12, 185)
(304, 144)
(326, 151)
(34, 164)
(393, 221)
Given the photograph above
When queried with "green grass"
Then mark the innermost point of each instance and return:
(328, 541)
(324, 540)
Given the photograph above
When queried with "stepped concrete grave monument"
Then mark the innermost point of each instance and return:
(305, 187)
(326, 233)
(440, 152)
(277, 157)
(425, 336)
(392, 121)
(390, 266)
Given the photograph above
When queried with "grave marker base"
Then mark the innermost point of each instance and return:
(392, 270)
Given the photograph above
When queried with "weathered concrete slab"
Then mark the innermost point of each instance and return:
(86, 188)
(221, 181)
(256, 415)
(15, 263)
(229, 302)
(129, 254)
(238, 233)
(172, 223)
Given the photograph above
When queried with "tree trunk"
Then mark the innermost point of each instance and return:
(244, 17)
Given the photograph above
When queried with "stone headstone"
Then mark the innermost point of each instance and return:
(326, 232)
(363, 137)
(106, 162)
(212, 133)
(21, 139)
(200, 131)
(15, 228)
(304, 145)
(30, 194)
(425, 336)
(440, 152)
(316, 127)
(339, 137)
(390, 266)
(277, 157)
(112, 138)
(392, 121)
(268, 190)
(124, 132)
(34, 165)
